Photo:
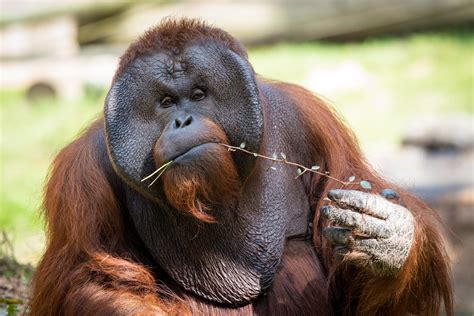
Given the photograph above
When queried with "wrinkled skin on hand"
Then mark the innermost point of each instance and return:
(369, 230)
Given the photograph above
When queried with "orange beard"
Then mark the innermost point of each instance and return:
(210, 180)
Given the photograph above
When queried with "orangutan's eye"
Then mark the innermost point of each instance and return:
(167, 101)
(198, 95)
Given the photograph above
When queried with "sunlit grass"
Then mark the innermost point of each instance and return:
(379, 85)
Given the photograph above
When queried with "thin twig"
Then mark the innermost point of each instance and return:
(159, 175)
(157, 170)
(303, 168)
(162, 169)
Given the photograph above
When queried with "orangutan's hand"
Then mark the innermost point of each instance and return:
(370, 231)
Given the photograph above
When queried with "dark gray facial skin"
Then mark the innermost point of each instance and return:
(234, 259)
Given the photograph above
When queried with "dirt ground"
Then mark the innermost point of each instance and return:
(14, 281)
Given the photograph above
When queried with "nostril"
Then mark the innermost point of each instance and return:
(188, 121)
(182, 121)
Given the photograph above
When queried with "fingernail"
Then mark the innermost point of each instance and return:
(335, 195)
(325, 210)
(389, 194)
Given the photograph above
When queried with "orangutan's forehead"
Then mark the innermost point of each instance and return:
(172, 65)
(167, 64)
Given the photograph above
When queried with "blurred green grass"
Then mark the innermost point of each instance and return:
(402, 79)
(31, 136)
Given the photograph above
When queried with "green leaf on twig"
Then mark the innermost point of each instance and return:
(365, 184)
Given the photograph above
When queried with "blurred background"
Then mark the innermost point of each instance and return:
(400, 72)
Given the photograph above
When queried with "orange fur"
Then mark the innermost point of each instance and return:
(194, 188)
(85, 269)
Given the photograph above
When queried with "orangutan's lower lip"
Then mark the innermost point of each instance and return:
(193, 150)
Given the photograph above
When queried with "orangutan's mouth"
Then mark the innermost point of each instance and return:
(193, 151)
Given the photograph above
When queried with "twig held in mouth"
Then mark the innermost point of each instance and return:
(302, 169)
(160, 171)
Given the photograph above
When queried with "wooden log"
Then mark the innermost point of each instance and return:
(268, 21)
